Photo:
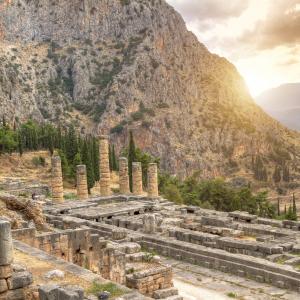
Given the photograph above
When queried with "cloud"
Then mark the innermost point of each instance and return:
(205, 10)
(280, 27)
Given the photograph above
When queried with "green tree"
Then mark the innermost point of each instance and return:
(87, 160)
(131, 157)
(277, 174)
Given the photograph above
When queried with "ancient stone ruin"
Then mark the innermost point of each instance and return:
(81, 183)
(122, 237)
(104, 166)
(57, 180)
(13, 280)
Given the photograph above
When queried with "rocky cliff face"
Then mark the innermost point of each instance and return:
(110, 65)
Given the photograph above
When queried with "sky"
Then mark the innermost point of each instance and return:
(261, 37)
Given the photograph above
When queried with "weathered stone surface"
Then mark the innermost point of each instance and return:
(19, 280)
(152, 181)
(5, 271)
(57, 180)
(6, 246)
(81, 182)
(104, 166)
(18, 294)
(137, 179)
(123, 176)
(3, 286)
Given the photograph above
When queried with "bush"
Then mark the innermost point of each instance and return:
(39, 161)
(110, 287)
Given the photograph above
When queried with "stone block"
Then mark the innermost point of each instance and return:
(5, 271)
(3, 286)
(19, 280)
(13, 295)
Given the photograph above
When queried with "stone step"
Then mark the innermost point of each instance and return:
(176, 297)
(165, 293)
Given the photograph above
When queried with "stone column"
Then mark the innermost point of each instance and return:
(6, 246)
(81, 182)
(57, 180)
(149, 224)
(123, 176)
(152, 181)
(137, 179)
(104, 166)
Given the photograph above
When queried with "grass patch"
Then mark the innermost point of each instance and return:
(70, 196)
(231, 295)
(110, 287)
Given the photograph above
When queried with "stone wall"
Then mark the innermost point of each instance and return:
(149, 281)
(12, 283)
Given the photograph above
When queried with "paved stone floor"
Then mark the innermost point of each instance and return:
(198, 283)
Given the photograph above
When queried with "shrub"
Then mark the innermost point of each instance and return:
(39, 161)
(110, 287)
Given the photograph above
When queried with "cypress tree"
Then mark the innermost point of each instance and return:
(96, 159)
(75, 163)
(278, 206)
(294, 205)
(114, 159)
(277, 174)
(110, 157)
(87, 160)
(20, 143)
(131, 157)
(71, 144)
(286, 174)
(64, 164)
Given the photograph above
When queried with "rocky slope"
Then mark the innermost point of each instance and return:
(283, 104)
(110, 65)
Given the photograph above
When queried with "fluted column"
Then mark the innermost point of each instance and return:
(137, 179)
(57, 180)
(104, 166)
(152, 181)
(81, 182)
(123, 176)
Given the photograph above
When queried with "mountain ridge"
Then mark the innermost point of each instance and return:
(283, 104)
(111, 66)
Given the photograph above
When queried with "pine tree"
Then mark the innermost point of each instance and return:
(87, 160)
(110, 157)
(285, 212)
(3, 121)
(20, 143)
(286, 174)
(131, 157)
(71, 144)
(114, 159)
(278, 206)
(294, 205)
(77, 161)
(277, 174)
(96, 159)
(64, 164)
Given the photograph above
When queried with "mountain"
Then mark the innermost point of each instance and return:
(283, 104)
(109, 66)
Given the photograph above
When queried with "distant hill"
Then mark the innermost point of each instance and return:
(283, 104)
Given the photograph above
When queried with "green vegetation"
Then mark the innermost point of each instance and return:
(110, 287)
(232, 295)
(214, 194)
(39, 161)
(73, 148)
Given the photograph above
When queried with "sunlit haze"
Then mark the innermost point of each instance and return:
(261, 37)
